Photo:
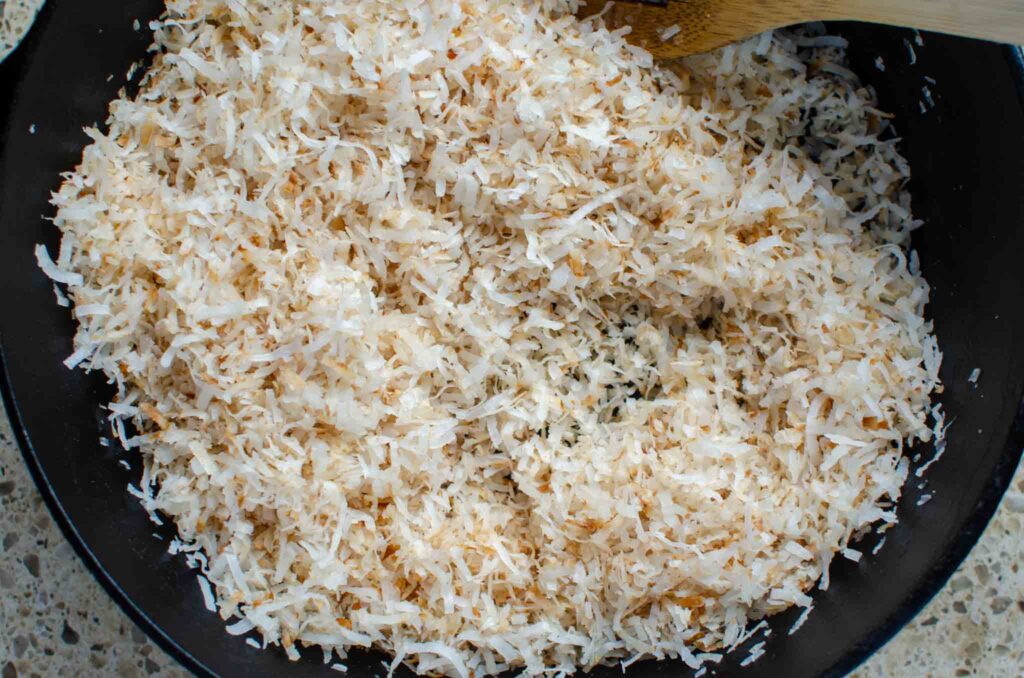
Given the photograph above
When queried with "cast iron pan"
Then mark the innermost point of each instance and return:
(967, 156)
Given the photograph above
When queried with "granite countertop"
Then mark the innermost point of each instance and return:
(57, 620)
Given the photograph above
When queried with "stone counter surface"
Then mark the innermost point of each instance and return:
(56, 620)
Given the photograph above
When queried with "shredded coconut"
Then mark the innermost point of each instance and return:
(929, 100)
(910, 52)
(669, 32)
(462, 331)
(852, 554)
(801, 620)
(756, 653)
(208, 598)
(59, 296)
(240, 627)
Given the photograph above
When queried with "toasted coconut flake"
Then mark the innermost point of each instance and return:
(463, 331)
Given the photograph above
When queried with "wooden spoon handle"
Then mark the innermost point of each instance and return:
(998, 20)
(702, 25)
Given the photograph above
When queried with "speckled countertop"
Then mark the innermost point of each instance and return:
(55, 619)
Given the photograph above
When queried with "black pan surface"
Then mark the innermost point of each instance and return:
(967, 156)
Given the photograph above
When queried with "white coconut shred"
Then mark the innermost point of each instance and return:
(461, 330)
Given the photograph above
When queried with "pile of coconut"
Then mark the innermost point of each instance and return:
(465, 331)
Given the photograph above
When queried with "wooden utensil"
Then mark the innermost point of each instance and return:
(701, 25)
